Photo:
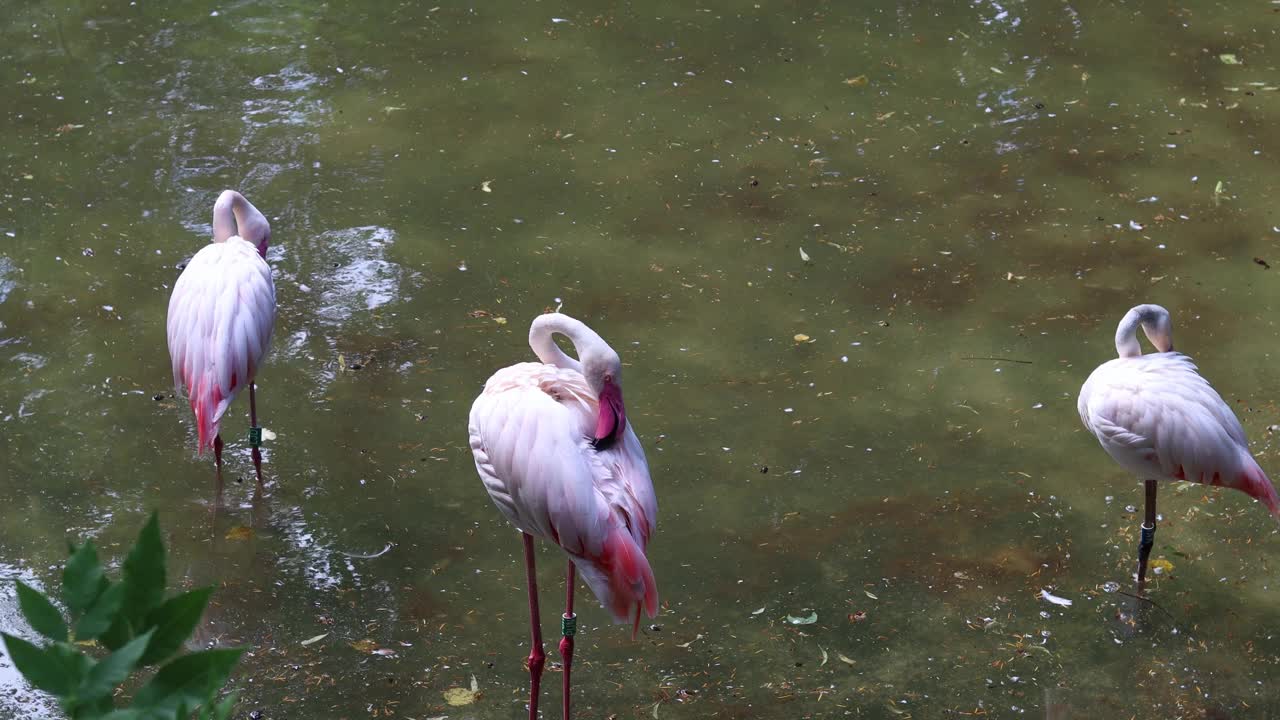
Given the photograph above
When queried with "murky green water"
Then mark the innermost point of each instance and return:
(968, 181)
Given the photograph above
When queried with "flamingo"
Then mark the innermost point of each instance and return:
(1157, 417)
(220, 318)
(553, 446)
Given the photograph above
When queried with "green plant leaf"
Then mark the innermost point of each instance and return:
(189, 681)
(222, 711)
(173, 622)
(101, 614)
(43, 616)
(45, 668)
(82, 579)
(144, 574)
(102, 678)
(124, 714)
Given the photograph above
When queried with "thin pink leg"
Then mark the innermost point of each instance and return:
(253, 424)
(537, 658)
(568, 628)
(217, 483)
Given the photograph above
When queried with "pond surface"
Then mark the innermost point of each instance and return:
(857, 258)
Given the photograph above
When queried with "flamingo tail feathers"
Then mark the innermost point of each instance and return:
(1255, 482)
(208, 405)
(621, 578)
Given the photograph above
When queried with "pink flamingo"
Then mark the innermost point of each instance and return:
(220, 318)
(553, 447)
(1160, 420)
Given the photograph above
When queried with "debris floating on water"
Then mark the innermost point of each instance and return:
(1046, 595)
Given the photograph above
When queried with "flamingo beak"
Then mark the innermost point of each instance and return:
(612, 420)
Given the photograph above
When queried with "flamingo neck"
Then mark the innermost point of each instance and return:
(543, 343)
(1155, 323)
(234, 216)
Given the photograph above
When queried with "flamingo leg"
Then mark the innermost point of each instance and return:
(255, 435)
(217, 483)
(537, 658)
(568, 627)
(1148, 536)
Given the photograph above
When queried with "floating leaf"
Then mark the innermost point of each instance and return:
(811, 619)
(824, 656)
(844, 659)
(757, 612)
(484, 185)
(870, 595)
(268, 435)
(804, 255)
(500, 320)
(239, 532)
(1229, 59)
(314, 640)
(1161, 566)
(458, 697)
(364, 646)
(858, 81)
(801, 337)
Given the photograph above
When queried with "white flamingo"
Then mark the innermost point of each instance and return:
(220, 318)
(555, 451)
(1160, 420)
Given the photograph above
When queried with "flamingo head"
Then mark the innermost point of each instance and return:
(1159, 328)
(603, 372)
(233, 215)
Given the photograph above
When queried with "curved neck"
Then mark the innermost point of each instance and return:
(233, 215)
(1155, 323)
(544, 345)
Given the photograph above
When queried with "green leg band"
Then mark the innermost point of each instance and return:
(568, 626)
(255, 437)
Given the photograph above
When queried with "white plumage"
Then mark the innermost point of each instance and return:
(221, 315)
(534, 438)
(1157, 417)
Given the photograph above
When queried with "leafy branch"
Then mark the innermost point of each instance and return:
(133, 620)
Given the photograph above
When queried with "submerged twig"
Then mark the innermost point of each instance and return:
(997, 359)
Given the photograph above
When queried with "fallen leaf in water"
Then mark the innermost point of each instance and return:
(870, 595)
(268, 435)
(804, 255)
(484, 185)
(314, 640)
(1230, 59)
(1161, 566)
(801, 337)
(844, 659)
(813, 618)
(364, 646)
(500, 320)
(342, 363)
(824, 656)
(457, 696)
(858, 616)
(858, 81)
(239, 532)
(757, 612)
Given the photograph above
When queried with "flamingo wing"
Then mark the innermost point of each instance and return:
(531, 433)
(221, 314)
(1158, 417)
